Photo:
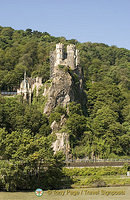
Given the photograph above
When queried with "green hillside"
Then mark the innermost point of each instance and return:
(101, 130)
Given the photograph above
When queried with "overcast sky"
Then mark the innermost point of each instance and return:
(105, 21)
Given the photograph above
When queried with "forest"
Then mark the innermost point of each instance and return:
(101, 131)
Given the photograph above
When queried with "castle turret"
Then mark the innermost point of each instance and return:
(71, 56)
(59, 57)
(59, 54)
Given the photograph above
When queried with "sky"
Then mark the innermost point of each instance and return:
(102, 21)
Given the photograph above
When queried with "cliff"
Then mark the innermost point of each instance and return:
(65, 85)
(66, 82)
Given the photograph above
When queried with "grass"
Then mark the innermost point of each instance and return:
(70, 194)
(98, 177)
(111, 180)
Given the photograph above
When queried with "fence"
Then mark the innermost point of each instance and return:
(4, 93)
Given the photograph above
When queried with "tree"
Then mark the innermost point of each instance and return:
(27, 159)
(76, 125)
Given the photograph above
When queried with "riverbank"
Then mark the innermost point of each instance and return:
(107, 193)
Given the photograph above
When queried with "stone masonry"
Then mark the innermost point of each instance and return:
(27, 87)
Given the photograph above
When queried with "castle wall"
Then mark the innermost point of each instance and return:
(58, 57)
(71, 56)
(59, 54)
(27, 87)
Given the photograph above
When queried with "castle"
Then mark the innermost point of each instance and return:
(27, 87)
(59, 57)
(65, 86)
(66, 78)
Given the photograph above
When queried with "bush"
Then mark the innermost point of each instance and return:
(55, 117)
(95, 180)
(102, 171)
(61, 66)
(57, 113)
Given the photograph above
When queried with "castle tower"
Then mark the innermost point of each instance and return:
(59, 57)
(71, 56)
(59, 54)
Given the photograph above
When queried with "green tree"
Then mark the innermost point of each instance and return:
(76, 125)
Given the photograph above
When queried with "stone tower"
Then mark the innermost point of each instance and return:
(59, 57)
(66, 78)
(59, 54)
(71, 56)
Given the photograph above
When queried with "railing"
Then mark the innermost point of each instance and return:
(97, 160)
(8, 93)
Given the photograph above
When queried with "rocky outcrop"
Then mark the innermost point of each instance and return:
(66, 79)
(61, 143)
(66, 85)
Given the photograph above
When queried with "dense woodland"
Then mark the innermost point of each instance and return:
(99, 131)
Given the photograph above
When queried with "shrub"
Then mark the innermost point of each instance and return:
(95, 180)
(54, 117)
(102, 171)
(61, 66)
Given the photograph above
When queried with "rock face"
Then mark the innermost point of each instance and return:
(60, 92)
(66, 79)
(66, 85)
(62, 141)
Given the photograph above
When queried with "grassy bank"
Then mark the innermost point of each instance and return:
(118, 193)
(98, 177)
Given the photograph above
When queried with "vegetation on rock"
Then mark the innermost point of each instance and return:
(25, 140)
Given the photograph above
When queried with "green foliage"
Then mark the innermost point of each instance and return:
(24, 48)
(102, 171)
(56, 114)
(75, 79)
(74, 108)
(25, 131)
(18, 116)
(96, 181)
(126, 167)
(26, 159)
(61, 66)
(61, 110)
(76, 125)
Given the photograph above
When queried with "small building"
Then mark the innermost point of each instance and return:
(27, 87)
